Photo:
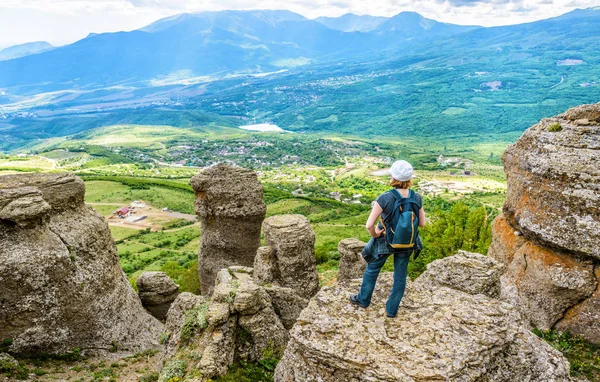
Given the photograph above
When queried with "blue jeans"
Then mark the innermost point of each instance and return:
(370, 279)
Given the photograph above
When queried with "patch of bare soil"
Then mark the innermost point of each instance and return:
(114, 367)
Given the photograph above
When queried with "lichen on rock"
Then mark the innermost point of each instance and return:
(61, 286)
(289, 260)
(237, 323)
(229, 202)
(553, 193)
(157, 292)
(553, 200)
(440, 334)
(352, 265)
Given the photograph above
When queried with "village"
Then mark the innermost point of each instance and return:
(140, 215)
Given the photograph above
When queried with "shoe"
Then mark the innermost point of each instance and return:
(354, 301)
(389, 315)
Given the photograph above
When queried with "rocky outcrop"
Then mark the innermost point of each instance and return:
(543, 283)
(238, 322)
(553, 177)
(466, 271)
(286, 268)
(548, 235)
(584, 318)
(61, 286)
(289, 259)
(440, 334)
(157, 292)
(229, 202)
(352, 265)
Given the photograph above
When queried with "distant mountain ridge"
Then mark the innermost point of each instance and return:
(352, 23)
(410, 76)
(206, 43)
(413, 25)
(22, 50)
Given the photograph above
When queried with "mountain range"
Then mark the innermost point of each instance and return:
(358, 75)
(211, 42)
(23, 50)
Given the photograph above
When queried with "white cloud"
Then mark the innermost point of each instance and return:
(63, 21)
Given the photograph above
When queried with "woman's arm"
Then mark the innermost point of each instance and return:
(422, 218)
(375, 213)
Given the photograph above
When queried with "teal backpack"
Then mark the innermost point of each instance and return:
(402, 225)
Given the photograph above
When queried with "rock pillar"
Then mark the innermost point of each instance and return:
(61, 286)
(229, 202)
(549, 233)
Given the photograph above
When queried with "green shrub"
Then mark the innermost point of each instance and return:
(5, 345)
(164, 337)
(194, 319)
(555, 127)
(583, 356)
(151, 377)
(174, 369)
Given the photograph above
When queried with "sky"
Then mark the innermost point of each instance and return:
(65, 21)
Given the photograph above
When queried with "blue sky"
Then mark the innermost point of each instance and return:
(64, 21)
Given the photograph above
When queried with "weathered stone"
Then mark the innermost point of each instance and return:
(440, 334)
(504, 242)
(287, 304)
(237, 323)
(175, 318)
(268, 337)
(352, 265)
(229, 202)
(553, 178)
(584, 318)
(265, 265)
(157, 292)
(217, 313)
(542, 283)
(248, 298)
(61, 286)
(469, 272)
(590, 113)
(292, 239)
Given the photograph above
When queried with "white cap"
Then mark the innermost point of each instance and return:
(401, 170)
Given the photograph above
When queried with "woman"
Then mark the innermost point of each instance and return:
(378, 250)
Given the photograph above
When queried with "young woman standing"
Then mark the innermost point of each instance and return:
(378, 249)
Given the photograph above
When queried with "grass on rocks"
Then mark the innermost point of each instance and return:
(583, 356)
(75, 367)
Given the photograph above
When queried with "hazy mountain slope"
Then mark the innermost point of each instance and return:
(200, 44)
(412, 25)
(352, 23)
(23, 50)
(480, 81)
(207, 43)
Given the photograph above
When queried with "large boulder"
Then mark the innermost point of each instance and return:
(61, 286)
(287, 304)
(352, 265)
(543, 283)
(469, 272)
(229, 202)
(548, 234)
(157, 292)
(553, 176)
(238, 323)
(290, 261)
(584, 318)
(440, 334)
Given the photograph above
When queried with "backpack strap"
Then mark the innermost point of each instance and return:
(401, 200)
(397, 194)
